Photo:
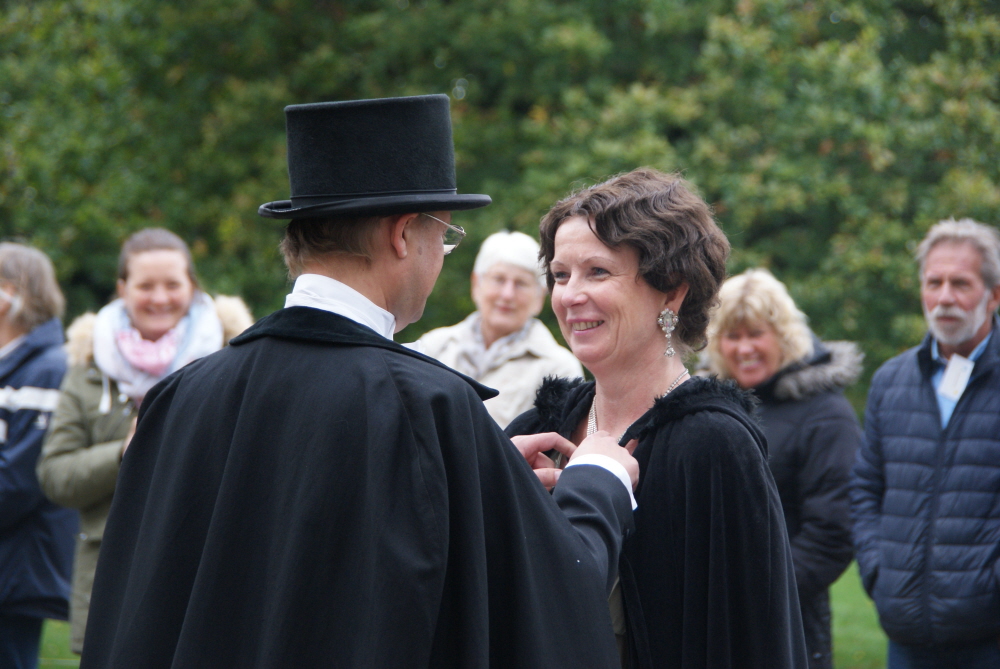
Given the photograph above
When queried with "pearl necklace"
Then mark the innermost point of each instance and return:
(592, 415)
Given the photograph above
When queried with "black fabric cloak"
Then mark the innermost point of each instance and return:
(707, 576)
(317, 495)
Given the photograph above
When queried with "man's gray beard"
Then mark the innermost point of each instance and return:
(971, 322)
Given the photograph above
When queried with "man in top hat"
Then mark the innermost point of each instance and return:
(318, 495)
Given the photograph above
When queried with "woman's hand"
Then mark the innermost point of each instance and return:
(533, 448)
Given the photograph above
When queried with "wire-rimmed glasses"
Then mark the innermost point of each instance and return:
(453, 236)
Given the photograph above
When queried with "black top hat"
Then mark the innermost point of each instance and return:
(371, 157)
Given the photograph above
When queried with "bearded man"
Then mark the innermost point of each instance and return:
(926, 483)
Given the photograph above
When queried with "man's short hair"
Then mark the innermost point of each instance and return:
(309, 238)
(984, 238)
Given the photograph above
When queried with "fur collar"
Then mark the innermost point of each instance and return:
(561, 403)
(232, 311)
(836, 365)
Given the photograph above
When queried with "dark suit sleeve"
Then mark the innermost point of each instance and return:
(598, 506)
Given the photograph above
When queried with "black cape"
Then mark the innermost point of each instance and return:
(317, 495)
(707, 576)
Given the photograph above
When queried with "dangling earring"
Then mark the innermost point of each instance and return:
(667, 322)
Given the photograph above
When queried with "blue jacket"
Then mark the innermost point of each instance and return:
(36, 537)
(926, 502)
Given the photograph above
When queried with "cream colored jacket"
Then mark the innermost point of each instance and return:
(517, 374)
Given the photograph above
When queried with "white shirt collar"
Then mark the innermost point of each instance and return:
(322, 292)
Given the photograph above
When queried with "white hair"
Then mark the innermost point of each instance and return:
(983, 238)
(513, 248)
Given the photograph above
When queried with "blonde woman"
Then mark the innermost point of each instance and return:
(759, 338)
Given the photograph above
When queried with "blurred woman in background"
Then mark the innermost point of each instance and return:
(160, 322)
(759, 338)
(36, 536)
(501, 344)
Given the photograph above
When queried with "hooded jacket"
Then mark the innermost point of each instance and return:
(36, 536)
(812, 436)
(707, 578)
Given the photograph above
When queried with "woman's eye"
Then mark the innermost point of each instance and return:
(559, 276)
(599, 271)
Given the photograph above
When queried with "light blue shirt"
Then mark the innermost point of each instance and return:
(945, 404)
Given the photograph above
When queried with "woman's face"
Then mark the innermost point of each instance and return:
(751, 352)
(157, 292)
(606, 311)
(506, 297)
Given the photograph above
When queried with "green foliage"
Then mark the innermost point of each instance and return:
(828, 135)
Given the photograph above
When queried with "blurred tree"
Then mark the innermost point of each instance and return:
(828, 135)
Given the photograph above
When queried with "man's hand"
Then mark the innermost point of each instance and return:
(533, 448)
(602, 443)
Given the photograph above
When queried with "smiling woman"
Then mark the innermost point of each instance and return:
(759, 338)
(706, 578)
(160, 322)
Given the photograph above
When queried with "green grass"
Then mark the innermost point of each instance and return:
(55, 653)
(858, 641)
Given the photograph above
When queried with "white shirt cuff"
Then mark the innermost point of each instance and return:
(610, 464)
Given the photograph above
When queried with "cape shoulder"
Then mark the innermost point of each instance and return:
(306, 324)
(562, 401)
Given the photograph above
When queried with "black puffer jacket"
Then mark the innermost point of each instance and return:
(812, 435)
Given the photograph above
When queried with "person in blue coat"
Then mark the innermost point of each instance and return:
(926, 484)
(36, 536)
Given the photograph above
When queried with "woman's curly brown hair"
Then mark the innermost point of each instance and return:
(671, 228)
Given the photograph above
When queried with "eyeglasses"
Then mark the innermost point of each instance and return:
(453, 236)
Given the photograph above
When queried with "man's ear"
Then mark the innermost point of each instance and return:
(675, 298)
(994, 299)
(399, 232)
(121, 288)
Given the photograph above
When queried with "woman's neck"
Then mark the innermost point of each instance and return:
(625, 394)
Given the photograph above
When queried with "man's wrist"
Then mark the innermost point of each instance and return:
(611, 465)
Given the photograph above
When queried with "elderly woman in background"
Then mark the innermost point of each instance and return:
(759, 338)
(706, 579)
(160, 322)
(502, 344)
(36, 537)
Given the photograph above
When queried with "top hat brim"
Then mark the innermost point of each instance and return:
(376, 206)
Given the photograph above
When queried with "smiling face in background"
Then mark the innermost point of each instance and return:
(506, 296)
(606, 312)
(157, 291)
(752, 353)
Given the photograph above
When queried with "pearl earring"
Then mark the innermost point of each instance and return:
(667, 322)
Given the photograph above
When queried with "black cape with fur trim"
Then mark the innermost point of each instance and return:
(707, 574)
(317, 495)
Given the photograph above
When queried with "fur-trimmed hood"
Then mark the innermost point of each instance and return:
(232, 312)
(562, 403)
(833, 366)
